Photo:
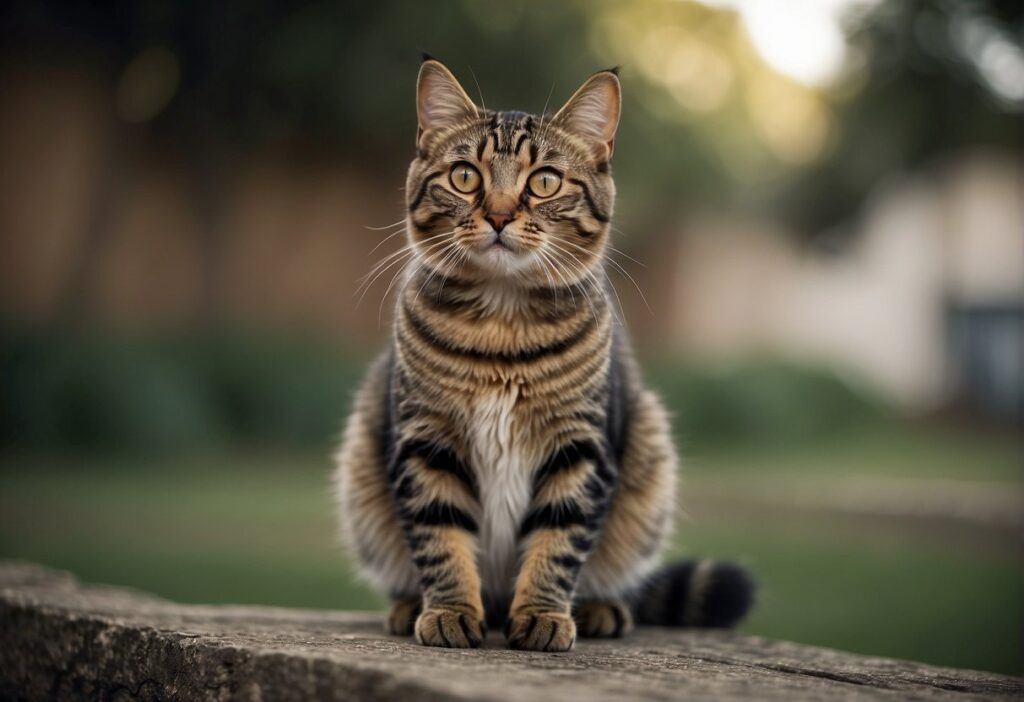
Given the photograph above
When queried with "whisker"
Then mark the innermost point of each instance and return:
(366, 287)
(407, 247)
(463, 255)
(620, 251)
(544, 112)
(448, 255)
(545, 259)
(623, 270)
(581, 272)
(478, 91)
(633, 281)
(618, 310)
(588, 274)
(623, 253)
(387, 238)
(444, 253)
(411, 250)
(385, 227)
(381, 266)
(397, 252)
(399, 273)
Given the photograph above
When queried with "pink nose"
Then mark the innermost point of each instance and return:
(498, 220)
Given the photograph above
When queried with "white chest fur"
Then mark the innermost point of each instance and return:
(503, 464)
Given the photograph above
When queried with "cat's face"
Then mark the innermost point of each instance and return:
(511, 196)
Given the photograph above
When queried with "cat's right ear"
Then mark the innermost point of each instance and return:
(440, 100)
(592, 113)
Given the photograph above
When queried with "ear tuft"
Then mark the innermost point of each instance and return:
(440, 99)
(592, 113)
(426, 57)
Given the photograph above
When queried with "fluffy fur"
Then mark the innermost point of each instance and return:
(503, 462)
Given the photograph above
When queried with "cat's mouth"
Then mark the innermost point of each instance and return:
(502, 253)
(499, 243)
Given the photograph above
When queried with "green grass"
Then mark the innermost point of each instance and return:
(871, 448)
(212, 530)
(260, 529)
(888, 594)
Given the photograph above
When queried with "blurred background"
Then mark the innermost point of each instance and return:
(821, 218)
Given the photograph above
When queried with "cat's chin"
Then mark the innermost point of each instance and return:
(502, 261)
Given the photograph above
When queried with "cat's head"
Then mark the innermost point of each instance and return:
(507, 194)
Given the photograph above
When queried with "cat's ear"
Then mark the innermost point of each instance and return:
(440, 100)
(592, 113)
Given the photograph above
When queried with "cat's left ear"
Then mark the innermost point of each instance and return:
(592, 113)
(440, 99)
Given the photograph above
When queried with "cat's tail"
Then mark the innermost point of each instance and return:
(695, 593)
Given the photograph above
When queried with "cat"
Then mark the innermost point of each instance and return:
(503, 463)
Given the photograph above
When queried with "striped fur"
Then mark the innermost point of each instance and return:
(503, 463)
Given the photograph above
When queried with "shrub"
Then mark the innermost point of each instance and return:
(758, 402)
(68, 390)
(111, 392)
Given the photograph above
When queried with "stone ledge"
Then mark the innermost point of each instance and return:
(60, 639)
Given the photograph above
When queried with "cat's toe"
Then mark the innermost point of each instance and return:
(449, 628)
(541, 631)
(603, 620)
(402, 617)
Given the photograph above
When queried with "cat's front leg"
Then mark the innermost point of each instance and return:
(437, 504)
(571, 492)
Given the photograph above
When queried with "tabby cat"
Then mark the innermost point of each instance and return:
(504, 464)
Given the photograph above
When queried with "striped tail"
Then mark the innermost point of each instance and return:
(712, 594)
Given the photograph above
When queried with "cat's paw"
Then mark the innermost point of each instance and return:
(449, 628)
(402, 616)
(541, 631)
(603, 620)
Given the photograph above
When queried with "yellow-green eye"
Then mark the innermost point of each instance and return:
(545, 183)
(464, 177)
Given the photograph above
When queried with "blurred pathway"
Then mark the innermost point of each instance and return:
(989, 510)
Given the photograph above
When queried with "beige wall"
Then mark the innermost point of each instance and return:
(877, 310)
(98, 230)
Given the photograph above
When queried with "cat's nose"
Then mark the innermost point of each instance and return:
(498, 220)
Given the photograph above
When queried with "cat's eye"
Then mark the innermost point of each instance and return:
(545, 182)
(464, 178)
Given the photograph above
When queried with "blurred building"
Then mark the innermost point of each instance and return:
(131, 196)
(925, 303)
(104, 227)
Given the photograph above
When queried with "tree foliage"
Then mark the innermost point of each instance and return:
(337, 78)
